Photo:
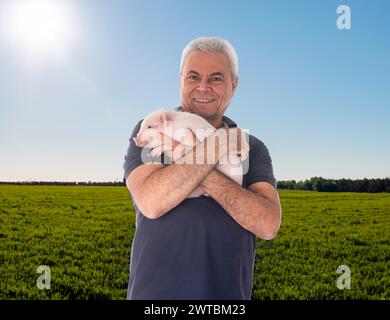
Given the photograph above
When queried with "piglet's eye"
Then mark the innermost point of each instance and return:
(149, 127)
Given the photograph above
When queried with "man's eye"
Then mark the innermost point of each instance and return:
(216, 79)
(193, 77)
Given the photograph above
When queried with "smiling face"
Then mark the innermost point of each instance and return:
(206, 85)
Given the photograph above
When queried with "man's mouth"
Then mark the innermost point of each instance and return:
(203, 100)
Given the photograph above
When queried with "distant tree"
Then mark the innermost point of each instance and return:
(304, 185)
(343, 185)
(289, 184)
(318, 183)
(331, 185)
(375, 186)
(387, 185)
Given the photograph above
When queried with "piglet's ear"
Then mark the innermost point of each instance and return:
(163, 117)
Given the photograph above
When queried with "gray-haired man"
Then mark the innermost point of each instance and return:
(200, 248)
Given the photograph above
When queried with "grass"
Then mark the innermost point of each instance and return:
(84, 234)
(319, 232)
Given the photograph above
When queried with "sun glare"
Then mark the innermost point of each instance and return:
(39, 28)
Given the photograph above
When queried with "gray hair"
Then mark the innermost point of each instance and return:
(212, 44)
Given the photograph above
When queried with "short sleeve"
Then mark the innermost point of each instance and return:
(137, 156)
(259, 165)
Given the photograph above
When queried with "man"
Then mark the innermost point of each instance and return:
(200, 248)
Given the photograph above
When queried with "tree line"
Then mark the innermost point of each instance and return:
(337, 185)
(314, 184)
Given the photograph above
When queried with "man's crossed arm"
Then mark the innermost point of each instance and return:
(157, 189)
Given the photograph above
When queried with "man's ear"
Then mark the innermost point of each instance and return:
(234, 83)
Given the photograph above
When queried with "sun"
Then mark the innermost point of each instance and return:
(39, 28)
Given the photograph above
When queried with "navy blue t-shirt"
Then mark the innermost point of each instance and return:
(196, 250)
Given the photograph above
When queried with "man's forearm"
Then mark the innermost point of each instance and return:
(252, 211)
(167, 187)
(170, 185)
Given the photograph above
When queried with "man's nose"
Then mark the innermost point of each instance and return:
(204, 85)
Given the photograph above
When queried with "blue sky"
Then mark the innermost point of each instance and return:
(318, 97)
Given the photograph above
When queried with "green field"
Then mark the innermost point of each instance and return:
(84, 235)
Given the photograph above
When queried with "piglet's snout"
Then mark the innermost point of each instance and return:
(139, 142)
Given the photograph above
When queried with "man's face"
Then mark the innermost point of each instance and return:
(206, 85)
